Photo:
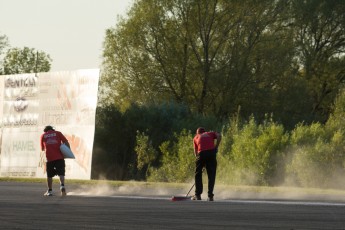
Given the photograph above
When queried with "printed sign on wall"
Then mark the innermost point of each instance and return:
(66, 100)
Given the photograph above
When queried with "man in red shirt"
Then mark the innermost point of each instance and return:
(205, 150)
(50, 143)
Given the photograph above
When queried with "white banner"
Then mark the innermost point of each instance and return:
(66, 100)
(2, 91)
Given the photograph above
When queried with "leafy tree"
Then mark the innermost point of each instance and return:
(146, 154)
(213, 56)
(146, 56)
(217, 58)
(261, 74)
(26, 60)
(3, 45)
(336, 119)
(320, 42)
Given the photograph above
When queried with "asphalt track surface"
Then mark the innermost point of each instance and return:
(22, 206)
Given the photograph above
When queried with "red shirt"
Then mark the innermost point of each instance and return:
(204, 141)
(51, 141)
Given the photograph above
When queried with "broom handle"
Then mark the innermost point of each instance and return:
(193, 184)
(190, 189)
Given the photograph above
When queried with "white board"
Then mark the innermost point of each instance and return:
(67, 153)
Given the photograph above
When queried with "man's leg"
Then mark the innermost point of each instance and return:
(50, 183)
(211, 167)
(62, 185)
(62, 180)
(61, 173)
(198, 177)
(50, 175)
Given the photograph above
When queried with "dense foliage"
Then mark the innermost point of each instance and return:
(283, 57)
(128, 143)
(266, 74)
(155, 143)
(25, 60)
(15, 60)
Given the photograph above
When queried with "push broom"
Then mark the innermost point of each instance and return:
(186, 197)
(183, 198)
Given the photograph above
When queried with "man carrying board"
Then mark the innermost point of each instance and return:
(50, 143)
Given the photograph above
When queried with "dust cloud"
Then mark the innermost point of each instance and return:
(128, 188)
(222, 192)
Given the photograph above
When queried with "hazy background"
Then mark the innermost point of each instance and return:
(70, 31)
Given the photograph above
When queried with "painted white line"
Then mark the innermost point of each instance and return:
(281, 202)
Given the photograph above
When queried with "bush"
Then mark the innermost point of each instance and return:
(146, 154)
(317, 157)
(154, 142)
(116, 138)
(258, 153)
(177, 160)
(225, 166)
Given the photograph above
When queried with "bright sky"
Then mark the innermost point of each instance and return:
(71, 31)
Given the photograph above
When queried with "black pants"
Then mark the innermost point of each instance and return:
(56, 167)
(205, 159)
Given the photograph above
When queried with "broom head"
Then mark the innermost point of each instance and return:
(181, 198)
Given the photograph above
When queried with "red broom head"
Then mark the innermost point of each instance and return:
(181, 198)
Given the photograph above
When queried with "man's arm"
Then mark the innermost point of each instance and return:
(67, 144)
(195, 148)
(42, 145)
(64, 140)
(219, 138)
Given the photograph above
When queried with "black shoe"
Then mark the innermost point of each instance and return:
(196, 197)
(210, 199)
